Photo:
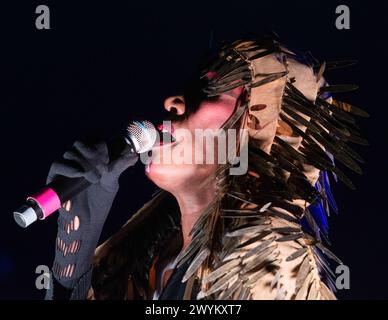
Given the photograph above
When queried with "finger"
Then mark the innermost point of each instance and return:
(74, 155)
(92, 152)
(91, 173)
(93, 176)
(124, 162)
(63, 169)
(103, 151)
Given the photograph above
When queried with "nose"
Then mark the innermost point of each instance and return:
(175, 104)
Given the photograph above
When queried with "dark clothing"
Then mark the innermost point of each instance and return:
(124, 266)
(175, 289)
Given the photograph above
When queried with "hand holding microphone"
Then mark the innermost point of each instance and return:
(81, 219)
(82, 186)
(139, 138)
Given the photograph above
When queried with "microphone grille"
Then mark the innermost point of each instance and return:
(142, 134)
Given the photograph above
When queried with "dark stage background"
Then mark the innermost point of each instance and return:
(104, 62)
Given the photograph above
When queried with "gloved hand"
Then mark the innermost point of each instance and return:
(81, 219)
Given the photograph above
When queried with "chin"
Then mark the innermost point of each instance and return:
(175, 178)
(164, 176)
(172, 177)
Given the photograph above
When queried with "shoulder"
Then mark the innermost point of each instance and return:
(126, 257)
(293, 274)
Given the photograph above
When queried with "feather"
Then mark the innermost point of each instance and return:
(290, 237)
(233, 76)
(303, 291)
(220, 271)
(345, 148)
(331, 65)
(261, 54)
(215, 91)
(268, 79)
(321, 71)
(235, 117)
(303, 271)
(244, 293)
(199, 224)
(313, 293)
(340, 155)
(331, 110)
(286, 230)
(290, 112)
(328, 253)
(287, 148)
(265, 207)
(254, 239)
(276, 279)
(323, 165)
(350, 108)
(287, 219)
(197, 261)
(296, 254)
(233, 254)
(260, 248)
(326, 293)
(318, 213)
(259, 258)
(303, 106)
(233, 195)
(194, 245)
(238, 70)
(217, 63)
(222, 282)
(240, 216)
(232, 289)
(229, 66)
(255, 277)
(241, 211)
(322, 264)
(338, 88)
(358, 140)
(330, 197)
(245, 230)
(281, 293)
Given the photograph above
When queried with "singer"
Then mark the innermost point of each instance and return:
(209, 233)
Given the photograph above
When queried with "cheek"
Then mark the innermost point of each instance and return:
(213, 115)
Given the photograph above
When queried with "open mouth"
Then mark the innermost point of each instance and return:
(166, 135)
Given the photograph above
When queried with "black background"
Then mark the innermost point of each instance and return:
(102, 63)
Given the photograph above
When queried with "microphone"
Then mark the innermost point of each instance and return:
(139, 137)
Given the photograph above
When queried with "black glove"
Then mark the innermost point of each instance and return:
(81, 219)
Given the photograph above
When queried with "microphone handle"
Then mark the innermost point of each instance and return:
(67, 188)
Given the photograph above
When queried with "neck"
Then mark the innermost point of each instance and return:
(192, 203)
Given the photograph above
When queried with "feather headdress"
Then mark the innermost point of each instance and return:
(262, 236)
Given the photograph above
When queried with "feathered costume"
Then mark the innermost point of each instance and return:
(263, 236)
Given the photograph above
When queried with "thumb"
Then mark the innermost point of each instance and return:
(123, 163)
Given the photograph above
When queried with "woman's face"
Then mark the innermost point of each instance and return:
(171, 174)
